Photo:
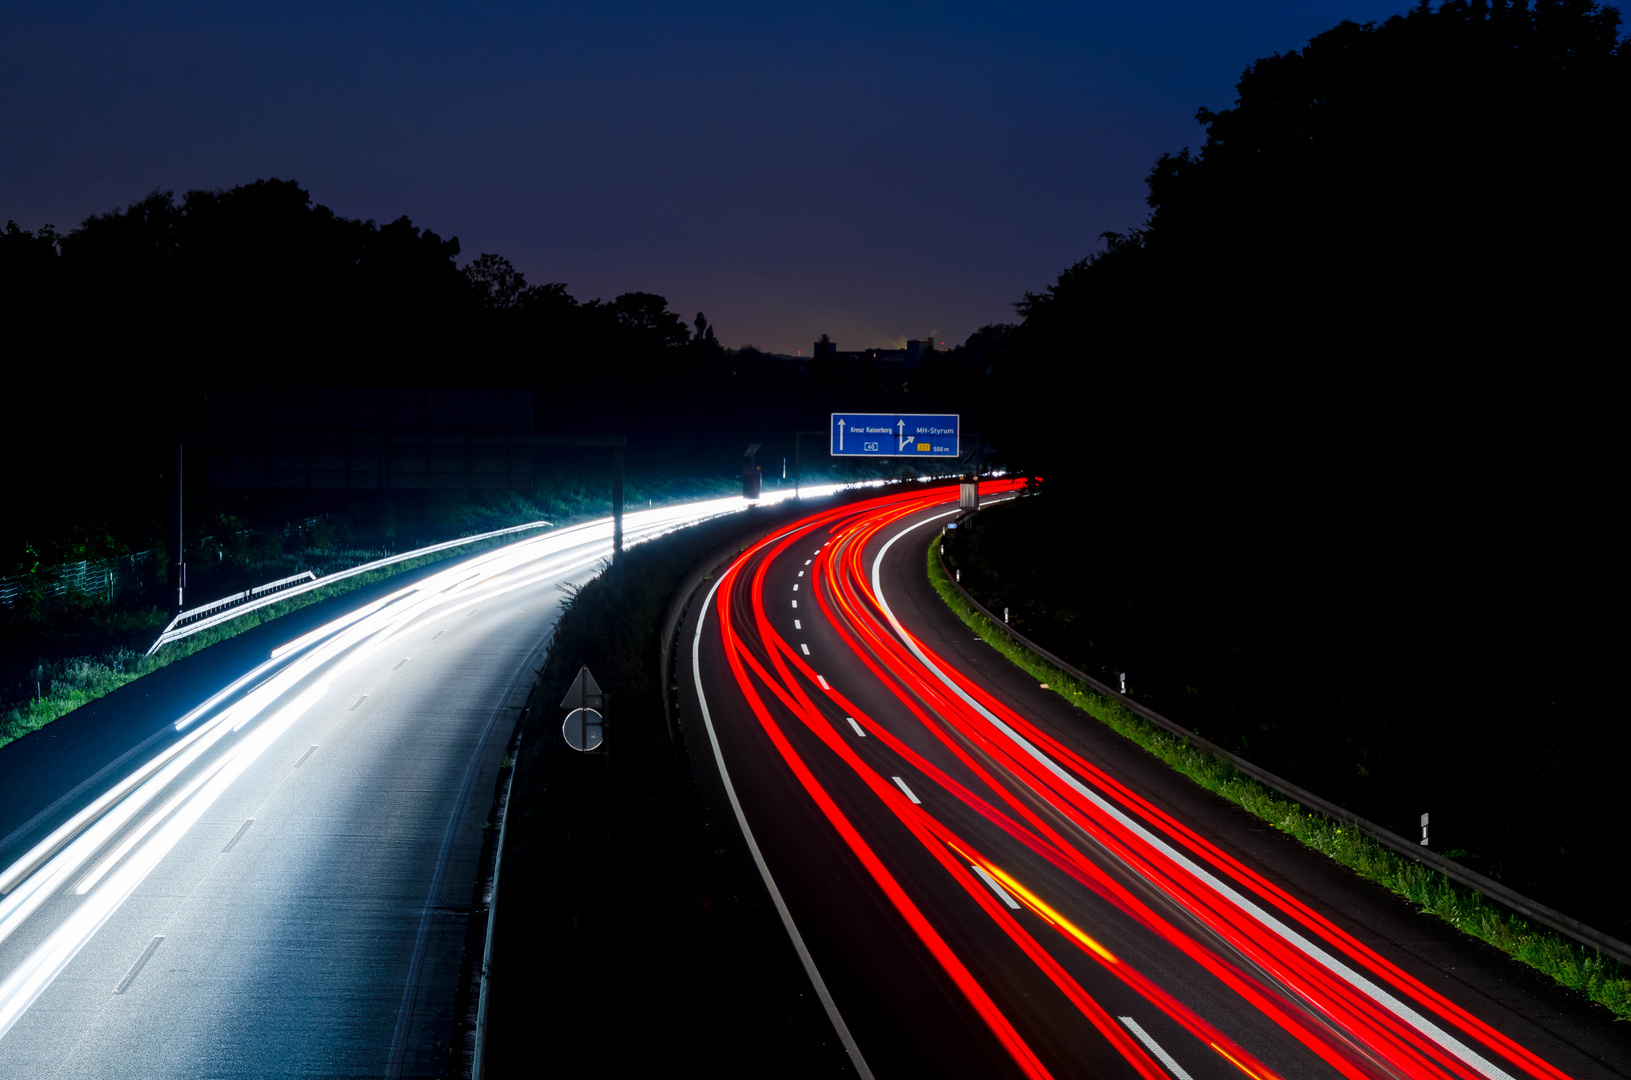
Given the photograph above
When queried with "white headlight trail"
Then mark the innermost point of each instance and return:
(88, 882)
(41, 886)
(30, 979)
(324, 653)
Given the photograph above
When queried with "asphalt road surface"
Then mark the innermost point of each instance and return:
(264, 867)
(982, 881)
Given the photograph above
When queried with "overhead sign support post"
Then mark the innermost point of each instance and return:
(896, 435)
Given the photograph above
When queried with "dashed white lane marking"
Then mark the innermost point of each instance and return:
(902, 785)
(805, 647)
(239, 835)
(991, 883)
(796, 625)
(857, 727)
(1155, 1047)
(437, 634)
(141, 962)
(795, 586)
(400, 662)
(795, 603)
(310, 750)
(359, 701)
(801, 573)
(806, 562)
(823, 683)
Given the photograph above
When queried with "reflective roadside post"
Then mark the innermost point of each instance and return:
(1424, 830)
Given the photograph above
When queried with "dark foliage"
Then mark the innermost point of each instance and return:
(1450, 171)
(1405, 221)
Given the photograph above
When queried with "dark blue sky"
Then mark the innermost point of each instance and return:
(875, 171)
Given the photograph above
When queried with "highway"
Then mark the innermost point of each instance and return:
(275, 880)
(982, 881)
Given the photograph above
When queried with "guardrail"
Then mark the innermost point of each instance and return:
(1530, 909)
(192, 615)
(228, 608)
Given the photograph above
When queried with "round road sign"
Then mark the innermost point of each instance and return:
(575, 731)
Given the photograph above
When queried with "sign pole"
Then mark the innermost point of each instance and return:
(617, 508)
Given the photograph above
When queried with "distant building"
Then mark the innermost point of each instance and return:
(909, 358)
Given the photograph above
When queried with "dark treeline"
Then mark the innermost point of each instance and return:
(1440, 183)
(160, 302)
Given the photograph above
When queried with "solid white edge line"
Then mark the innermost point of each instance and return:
(1154, 1047)
(820, 985)
(995, 886)
(1331, 963)
(906, 790)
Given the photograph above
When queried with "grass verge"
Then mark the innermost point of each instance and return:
(1601, 979)
(65, 685)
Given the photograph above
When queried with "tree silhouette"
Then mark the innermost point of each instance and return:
(1440, 189)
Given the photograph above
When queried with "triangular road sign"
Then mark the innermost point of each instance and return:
(583, 691)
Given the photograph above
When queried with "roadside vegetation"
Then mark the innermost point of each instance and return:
(62, 653)
(1603, 980)
(64, 685)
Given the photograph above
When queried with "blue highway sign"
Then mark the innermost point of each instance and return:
(895, 435)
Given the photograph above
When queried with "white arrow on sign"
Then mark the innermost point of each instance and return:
(840, 433)
(903, 439)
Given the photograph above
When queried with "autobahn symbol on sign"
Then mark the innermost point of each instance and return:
(895, 435)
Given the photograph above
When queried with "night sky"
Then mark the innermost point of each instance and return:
(874, 171)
